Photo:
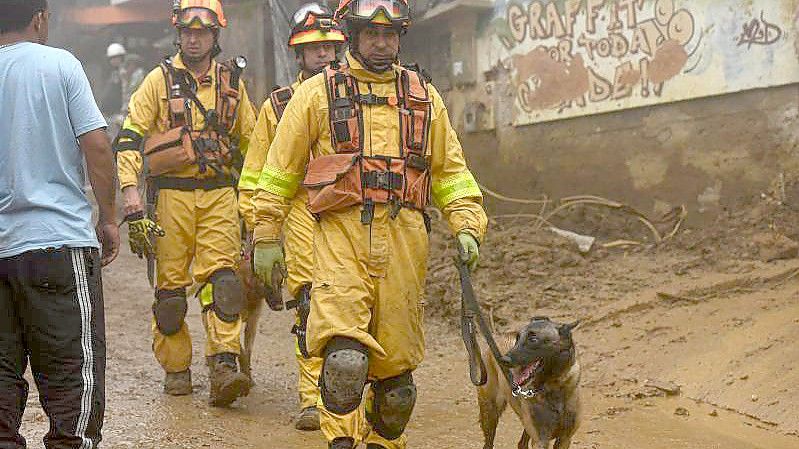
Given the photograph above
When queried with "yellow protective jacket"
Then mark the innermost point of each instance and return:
(305, 131)
(149, 111)
(262, 136)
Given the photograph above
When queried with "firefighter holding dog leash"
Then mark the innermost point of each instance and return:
(187, 125)
(371, 142)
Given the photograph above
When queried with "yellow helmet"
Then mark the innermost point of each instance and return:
(198, 14)
(314, 23)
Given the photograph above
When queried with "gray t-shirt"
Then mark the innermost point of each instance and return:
(46, 103)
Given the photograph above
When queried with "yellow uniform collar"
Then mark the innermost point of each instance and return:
(363, 74)
(178, 63)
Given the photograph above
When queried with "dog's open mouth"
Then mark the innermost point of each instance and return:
(524, 374)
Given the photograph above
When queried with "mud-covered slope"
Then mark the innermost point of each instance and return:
(713, 312)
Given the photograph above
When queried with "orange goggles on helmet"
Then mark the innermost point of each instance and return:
(196, 18)
(369, 9)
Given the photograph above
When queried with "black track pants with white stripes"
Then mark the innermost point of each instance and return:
(51, 314)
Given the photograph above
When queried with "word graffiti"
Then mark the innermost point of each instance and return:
(759, 32)
(601, 50)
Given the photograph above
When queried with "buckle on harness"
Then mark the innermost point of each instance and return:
(368, 211)
(372, 99)
(417, 162)
(384, 180)
(342, 108)
(396, 207)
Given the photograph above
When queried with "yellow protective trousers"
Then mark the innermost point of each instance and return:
(202, 236)
(368, 286)
(298, 245)
(367, 279)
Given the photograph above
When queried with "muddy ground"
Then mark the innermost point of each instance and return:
(712, 313)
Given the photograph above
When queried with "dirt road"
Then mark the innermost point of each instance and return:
(725, 335)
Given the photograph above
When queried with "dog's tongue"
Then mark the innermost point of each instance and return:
(520, 377)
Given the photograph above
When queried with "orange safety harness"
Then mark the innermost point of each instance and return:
(182, 145)
(349, 177)
(280, 98)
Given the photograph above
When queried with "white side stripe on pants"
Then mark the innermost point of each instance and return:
(87, 368)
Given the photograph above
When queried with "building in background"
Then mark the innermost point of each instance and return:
(643, 101)
(655, 103)
(87, 27)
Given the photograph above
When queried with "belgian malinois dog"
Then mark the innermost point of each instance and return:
(256, 295)
(541, 358)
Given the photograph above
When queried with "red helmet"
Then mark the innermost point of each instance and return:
(380, 12)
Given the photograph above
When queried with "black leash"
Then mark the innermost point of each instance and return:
(471, 314)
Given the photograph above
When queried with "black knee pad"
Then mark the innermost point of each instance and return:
(170, 310)
(392, 406)
(228, 295)
(344, 374)
(375, 446)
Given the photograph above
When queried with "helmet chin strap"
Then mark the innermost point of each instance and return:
(369, 65)
(372, 67)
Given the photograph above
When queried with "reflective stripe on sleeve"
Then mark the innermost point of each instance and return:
(249, 179)
(279, 182)
(455, 187)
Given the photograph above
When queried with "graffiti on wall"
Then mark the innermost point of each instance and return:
(759, 32)
(578, 57)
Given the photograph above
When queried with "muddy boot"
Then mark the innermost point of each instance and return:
(227, 383)
(178, 384)
(308, 419)
(342, 443)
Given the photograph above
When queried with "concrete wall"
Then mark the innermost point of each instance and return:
(248, 34)
(708, 153)
(571, 57)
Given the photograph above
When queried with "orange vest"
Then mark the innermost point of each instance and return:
(182, 145)
(348, 177)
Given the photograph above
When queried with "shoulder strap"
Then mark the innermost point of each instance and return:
(415, 105)
(280, 98)
(177, 115)
(346, 114)
(228, 76)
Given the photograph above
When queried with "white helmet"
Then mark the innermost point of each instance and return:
(115, 50)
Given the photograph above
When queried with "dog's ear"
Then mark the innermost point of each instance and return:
(566, 329)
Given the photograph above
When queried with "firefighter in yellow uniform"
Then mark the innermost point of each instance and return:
(188, 123)
(317, 41)
(371, 143)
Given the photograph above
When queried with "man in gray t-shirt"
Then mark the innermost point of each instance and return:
(51, 255)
